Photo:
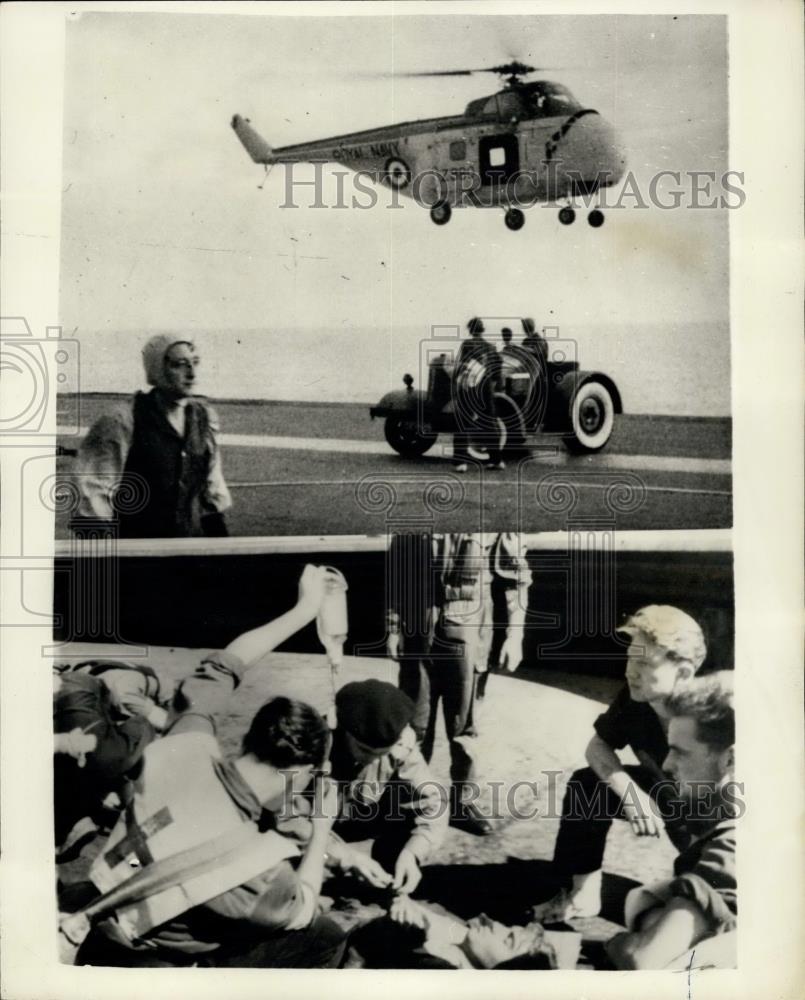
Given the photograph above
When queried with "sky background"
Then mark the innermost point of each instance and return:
(164, 228)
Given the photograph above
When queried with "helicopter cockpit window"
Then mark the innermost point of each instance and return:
(545, 100)
(458, 150)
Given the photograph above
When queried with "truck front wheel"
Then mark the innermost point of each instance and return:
(592, 418)
(407, 437)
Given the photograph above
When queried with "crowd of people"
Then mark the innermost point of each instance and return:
(199, 858)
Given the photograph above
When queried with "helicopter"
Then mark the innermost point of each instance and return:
(530, 142)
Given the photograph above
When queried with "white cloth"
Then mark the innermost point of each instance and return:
(716, 952)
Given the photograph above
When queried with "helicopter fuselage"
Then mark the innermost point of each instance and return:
(521, 146)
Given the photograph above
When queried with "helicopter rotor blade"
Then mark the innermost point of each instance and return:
(388, 75)
(514, 68)
(444, 72)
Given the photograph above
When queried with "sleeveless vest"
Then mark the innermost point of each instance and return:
(179, 802)
(469, 570)
(175, 467)
(464, 578)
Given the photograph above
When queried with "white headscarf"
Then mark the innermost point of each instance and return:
(154, 356)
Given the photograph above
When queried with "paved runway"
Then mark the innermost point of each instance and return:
(319, 468)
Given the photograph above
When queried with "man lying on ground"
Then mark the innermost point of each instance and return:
(697, 909)
(414, 936)
(253, 906)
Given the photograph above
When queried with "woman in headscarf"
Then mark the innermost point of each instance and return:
(154, 465)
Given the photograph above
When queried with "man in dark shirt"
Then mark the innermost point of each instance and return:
(534, 342)
(476, 379)
(667, 647)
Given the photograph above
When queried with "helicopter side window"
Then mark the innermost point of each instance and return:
(491, 107)
(458, 150)
(509, 107)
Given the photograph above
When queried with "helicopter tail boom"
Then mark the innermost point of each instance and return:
(254, 144)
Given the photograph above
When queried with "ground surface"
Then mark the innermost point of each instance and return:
(308, 468)
(528, 729)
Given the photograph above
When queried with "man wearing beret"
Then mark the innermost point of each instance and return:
(154, 465)
(388, 792)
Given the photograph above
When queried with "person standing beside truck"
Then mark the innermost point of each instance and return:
(476, 379)
(534, 342)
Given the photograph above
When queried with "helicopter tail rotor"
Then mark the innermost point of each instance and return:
(254, 144)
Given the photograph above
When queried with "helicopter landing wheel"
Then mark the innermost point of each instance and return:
(514, 219)
(440, 213)
(596, 218)
(567, 215)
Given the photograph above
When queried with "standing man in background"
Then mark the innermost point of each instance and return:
(165, 442)
(534, 342)
(441, 630)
